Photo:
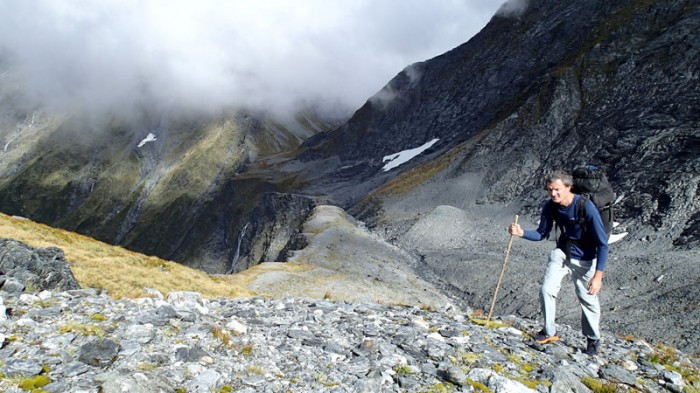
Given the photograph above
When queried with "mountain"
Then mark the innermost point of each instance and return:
(564, 83)
(614, 84)
(157, 183)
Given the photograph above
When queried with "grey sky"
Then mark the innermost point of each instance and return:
(207, 55)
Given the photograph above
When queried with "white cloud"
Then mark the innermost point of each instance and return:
(513, 8)
(207, 55)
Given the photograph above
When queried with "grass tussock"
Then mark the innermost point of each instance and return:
(123, 273)
(490, 324)
(35, 383)
(598, 386)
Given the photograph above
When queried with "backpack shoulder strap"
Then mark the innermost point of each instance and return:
(581, 218)
(583, 222)
(551, 215)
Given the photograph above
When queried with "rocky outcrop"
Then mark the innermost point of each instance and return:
(273, 232)
(81, 341)
(35, 268)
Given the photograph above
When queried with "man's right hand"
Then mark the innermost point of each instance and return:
(516, 230)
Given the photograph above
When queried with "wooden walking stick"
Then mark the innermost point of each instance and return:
(500, 277)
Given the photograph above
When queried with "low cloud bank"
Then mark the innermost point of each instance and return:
(274, 55)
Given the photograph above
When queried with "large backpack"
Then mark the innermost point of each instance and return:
(591, 183)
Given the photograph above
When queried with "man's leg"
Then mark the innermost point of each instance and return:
(581, 274)
(556, 270)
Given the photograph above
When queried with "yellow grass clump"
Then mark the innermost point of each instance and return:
(121, 272)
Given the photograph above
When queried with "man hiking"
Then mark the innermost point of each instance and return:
(582, 251)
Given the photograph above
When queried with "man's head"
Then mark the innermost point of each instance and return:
(558, 185)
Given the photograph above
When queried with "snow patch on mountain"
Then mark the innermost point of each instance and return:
(402, 157)
(149, 138)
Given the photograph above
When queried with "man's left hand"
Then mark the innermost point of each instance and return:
(596, 283)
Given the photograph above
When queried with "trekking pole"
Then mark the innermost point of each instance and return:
(500, 277)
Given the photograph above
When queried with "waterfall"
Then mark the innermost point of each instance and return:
(238, 250)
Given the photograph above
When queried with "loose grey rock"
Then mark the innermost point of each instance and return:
(18, 368)
(190, 354)
(558, 351)
(673, 377)
(617, 373)
(13, 285)
(206, 381)
(114, 382)
(456, 376)
(565, 381)
(99, 353)
(498, 383)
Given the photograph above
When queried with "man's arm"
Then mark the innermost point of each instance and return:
(542, 231)
(595, 223)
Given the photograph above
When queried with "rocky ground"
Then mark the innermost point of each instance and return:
(359, 314)
(344, 323)
(84, 341)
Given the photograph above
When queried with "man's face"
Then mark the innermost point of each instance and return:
(558, 191)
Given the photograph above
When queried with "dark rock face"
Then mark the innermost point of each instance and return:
(274, 230)
(40, 269)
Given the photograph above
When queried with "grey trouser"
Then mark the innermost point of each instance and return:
(581, 272)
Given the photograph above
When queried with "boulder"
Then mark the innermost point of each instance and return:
(37, 268)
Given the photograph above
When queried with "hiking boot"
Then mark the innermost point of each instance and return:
(542, 338)
(593, 347)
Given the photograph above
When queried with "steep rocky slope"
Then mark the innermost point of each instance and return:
(609, 83)
(615, 84)
(58, 337)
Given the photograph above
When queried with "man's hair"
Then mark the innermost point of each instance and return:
(562, 175)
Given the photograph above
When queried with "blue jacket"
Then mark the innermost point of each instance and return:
(587, 245)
